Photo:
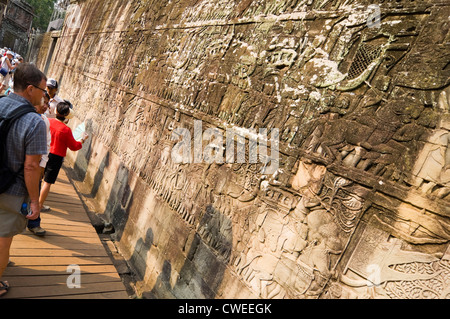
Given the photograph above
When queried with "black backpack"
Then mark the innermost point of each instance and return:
(7, 175)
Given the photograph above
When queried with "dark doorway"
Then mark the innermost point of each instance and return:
(50, 55)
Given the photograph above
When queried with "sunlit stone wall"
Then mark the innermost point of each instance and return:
(359, 93)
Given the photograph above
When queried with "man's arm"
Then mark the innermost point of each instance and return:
(32, 173)
(11, 67)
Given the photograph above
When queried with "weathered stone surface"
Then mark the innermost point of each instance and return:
(15, 25)
(359, 207)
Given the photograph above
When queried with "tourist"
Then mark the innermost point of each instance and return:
(52, 89)
(25, 144)
(16, 63)
(71, 110)
(35, 225)
(6, 64)
(62, 139)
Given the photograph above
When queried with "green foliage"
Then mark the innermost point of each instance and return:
(43, 10)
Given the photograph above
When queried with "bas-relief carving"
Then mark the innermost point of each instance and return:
(432, 169)
(380, 267)
(290, 251)
(336, 90)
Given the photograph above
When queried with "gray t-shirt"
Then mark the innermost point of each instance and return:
(27, 136)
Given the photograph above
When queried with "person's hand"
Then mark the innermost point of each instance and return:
(85, 137)
(35, 210)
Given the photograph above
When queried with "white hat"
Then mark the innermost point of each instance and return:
(52, 83)
(71, 114)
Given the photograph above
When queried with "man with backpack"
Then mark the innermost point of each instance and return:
(22, 143)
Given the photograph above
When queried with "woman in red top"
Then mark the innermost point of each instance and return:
(62, 139)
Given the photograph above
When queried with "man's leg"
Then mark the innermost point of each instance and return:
(44, 193)
(5, 83)
(35, 225)
(5, 245)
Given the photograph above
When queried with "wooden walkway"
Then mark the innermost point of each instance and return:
(39, 266)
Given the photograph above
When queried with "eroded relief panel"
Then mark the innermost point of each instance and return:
(359, 207)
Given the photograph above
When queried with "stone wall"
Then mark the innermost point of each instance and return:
(359, 206)
(16, 25)
(39, 47)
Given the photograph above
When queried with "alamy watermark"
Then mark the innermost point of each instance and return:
(374, 16)
(374, 275)
(221, 150)
(74, 279)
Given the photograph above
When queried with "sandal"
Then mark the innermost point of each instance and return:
(4, 288)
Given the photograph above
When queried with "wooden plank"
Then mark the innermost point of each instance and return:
(42, 252)
(21, 261)
(57, 240)
(63, 196)
(64, 201)
(69, 233)
(61, 279)
(48, 270)
(67, 212)
(61, 193)
(63, 290)
(60, 220)
(54, 226)
(75, 246)
(65, 219)
(65, 208)
(103, 295)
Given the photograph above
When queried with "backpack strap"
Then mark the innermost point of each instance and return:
(8, 175)
(15, 115)
(10, 119)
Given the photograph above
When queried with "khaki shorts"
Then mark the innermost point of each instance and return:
(12, 222)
